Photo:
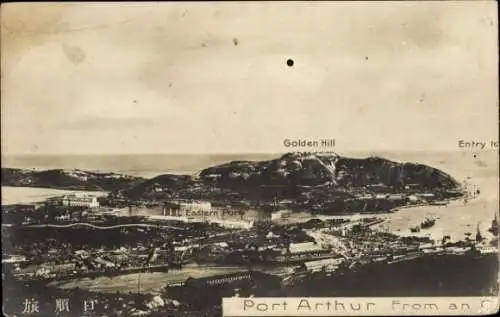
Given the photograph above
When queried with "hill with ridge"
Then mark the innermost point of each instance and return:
(67, 179)
(295, 174)
(306, 180)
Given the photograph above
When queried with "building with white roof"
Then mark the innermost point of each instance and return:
(73, 200)
(305, 247)
(325, 264)
(233, 224)
(167, 218)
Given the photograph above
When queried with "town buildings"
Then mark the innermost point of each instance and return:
(187, 208)
(80, 201)
(327, 265)
(207, 291)
(18, 208)
(280, 214)
(233, 224)
(304, 247)
(74, 200)
(202, 211)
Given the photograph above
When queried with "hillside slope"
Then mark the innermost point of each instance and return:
(312, 169)
(66, 179)
(294, 174)
(323, 176)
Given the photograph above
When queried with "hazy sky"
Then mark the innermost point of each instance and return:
(208, 77)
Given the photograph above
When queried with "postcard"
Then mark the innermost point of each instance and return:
(250, 158)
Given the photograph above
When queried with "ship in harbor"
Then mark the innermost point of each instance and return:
(479, 236)
(427, 223)
(415, 229)
(494, 226)
(471, 191)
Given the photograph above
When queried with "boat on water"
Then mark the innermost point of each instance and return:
(405, 257)
(379, 259)
(479, 236)
(428, 223)
(494, 226)
(488, 250)
(439, 203)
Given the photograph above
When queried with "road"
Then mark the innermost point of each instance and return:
(102, 227)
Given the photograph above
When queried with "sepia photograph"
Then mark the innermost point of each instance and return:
(250, 158)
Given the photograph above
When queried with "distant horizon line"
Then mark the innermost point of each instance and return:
(238, 153)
